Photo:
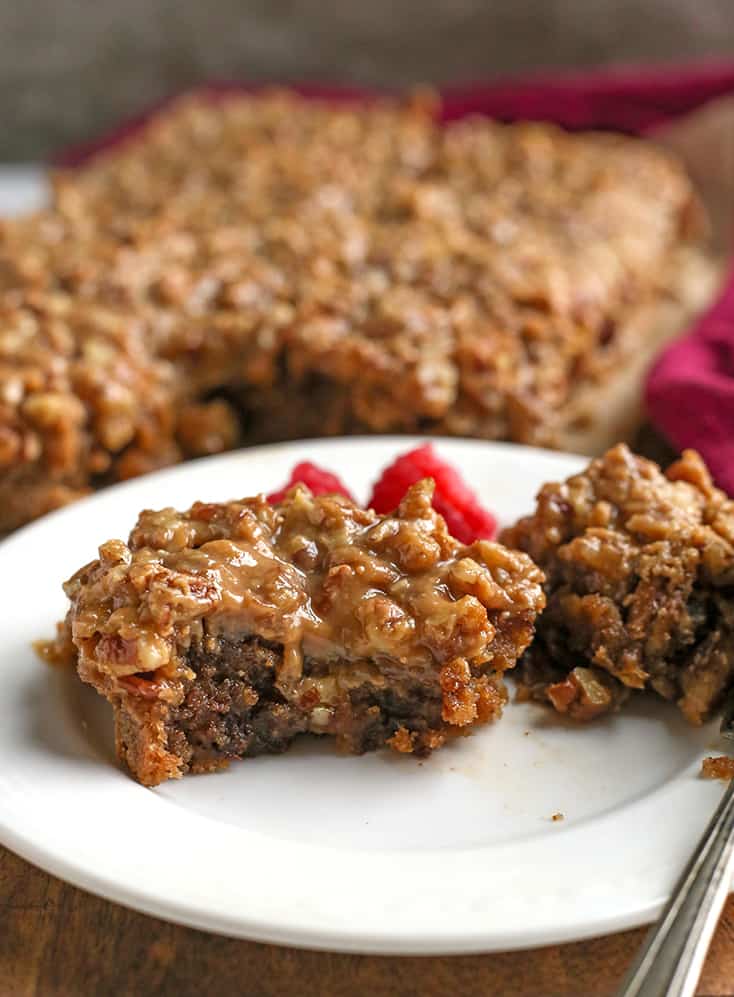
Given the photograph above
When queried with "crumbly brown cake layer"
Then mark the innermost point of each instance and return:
(639, 572)
(227, 630)
(267, 266)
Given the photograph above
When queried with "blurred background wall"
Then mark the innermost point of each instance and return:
(71, 67)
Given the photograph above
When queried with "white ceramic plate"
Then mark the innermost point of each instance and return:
(23, 188)
(382, 853)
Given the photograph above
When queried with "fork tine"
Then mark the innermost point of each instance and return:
(727, 719)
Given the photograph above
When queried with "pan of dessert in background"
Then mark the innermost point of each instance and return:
(462, 277)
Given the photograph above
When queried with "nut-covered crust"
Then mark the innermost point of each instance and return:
(225, 630)
(721, 767)
(323, 269)
(640, 579)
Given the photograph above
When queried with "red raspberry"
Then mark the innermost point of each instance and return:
(466, 518)
(320, 482)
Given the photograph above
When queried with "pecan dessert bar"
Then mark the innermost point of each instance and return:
(267, 267)
(639, 572)
(227, 630)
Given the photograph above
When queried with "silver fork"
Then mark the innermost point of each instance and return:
(671, 958)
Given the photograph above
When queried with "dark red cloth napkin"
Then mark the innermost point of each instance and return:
(690, 390)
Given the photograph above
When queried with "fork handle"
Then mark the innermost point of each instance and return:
(670, 961)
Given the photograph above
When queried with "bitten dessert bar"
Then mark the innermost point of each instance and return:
(227, 630)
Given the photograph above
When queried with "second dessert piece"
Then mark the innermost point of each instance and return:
(227, 630)
(640, 587)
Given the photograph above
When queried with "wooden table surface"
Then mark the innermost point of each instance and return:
(56, 941)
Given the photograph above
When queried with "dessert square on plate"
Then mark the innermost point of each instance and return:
(229, 629)
(639, 572)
